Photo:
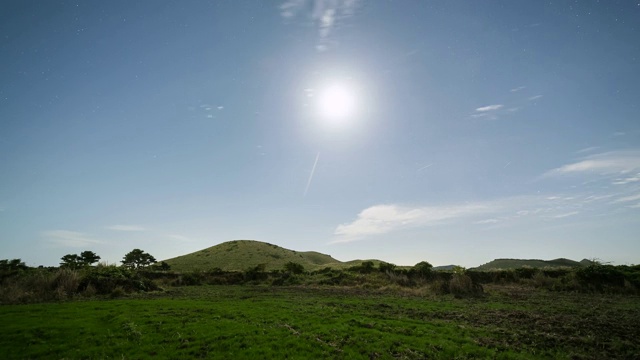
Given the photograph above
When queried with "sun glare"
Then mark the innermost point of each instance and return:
(337, 103)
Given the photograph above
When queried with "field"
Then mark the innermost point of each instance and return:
(234, 322)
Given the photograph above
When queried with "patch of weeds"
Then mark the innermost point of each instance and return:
(131, 331)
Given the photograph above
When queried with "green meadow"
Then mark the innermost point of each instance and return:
(303, 322)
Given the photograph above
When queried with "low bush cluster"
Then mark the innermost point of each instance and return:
(41, 285)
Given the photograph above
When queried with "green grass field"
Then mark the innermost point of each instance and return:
(234, 322)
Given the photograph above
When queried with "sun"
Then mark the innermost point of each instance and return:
(337, 103)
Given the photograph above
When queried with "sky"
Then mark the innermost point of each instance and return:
(453, 132)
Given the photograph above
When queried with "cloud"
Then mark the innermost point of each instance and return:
(535, 97)
(126, 228)
(325, 14)
(517, 89)
(486, 221)
(490, 108)
(627, 198)
(560, 216)
(290, 8)
(381, 219)
(178, 237)
(614, 162)
(627, 180)
(587, 150)
(69, 238)
(534, 210)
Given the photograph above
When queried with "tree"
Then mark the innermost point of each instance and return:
(11, 265)
(75, 261)
(89, 257)
(423, 269)
(137, 259)
(72, 261)
(386, 267)
(294, 267)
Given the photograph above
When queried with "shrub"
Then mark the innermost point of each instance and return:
(541, 280)
(526, 272)
(117, 292)
(384, 267)
(601, 275)
(294, 267)
(422, 269)
(192, 278)
(256, 273)
(462, 286)
(439, 286)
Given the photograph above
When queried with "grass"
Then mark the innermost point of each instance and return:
(221, 322)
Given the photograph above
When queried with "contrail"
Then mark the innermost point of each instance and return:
(313, 169)
(424, 167)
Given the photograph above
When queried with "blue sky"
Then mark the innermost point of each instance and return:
(460, 131)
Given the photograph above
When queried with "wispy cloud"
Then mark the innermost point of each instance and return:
(517, 89)
(179, 237)
(380, 219)
(627, 198)
(486, 221)
(490, 108)
(126, 228)
(504, 212)
(69, 238)
(571, 213)
(290, 8)
(588, 150)
(614, 162)
(536, 97)
(326, 14)
(627, 180)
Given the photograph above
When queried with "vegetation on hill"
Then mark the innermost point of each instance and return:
(504, 264)
(239, 255)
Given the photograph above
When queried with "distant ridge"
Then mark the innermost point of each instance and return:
(444, 267)
(533, 263)
(239, 255)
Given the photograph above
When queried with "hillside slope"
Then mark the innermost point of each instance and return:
(239, 255)
(533, 263)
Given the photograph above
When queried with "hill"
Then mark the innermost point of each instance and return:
(239, 255)
(533, 263)
(444, 267)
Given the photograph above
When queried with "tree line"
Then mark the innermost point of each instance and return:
(135, 259)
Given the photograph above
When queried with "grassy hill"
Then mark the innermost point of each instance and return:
(533, 263)
(239, 255)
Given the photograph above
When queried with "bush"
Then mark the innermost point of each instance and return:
(294, 267)
(601, 275)
(384, 267)
(422, 269)
(461, 286)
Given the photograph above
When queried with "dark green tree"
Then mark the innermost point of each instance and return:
(71, 261)
(11, 265)
(89, 257)
(423, 269)
(294, 267)
(386, 267)
(137, 259)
